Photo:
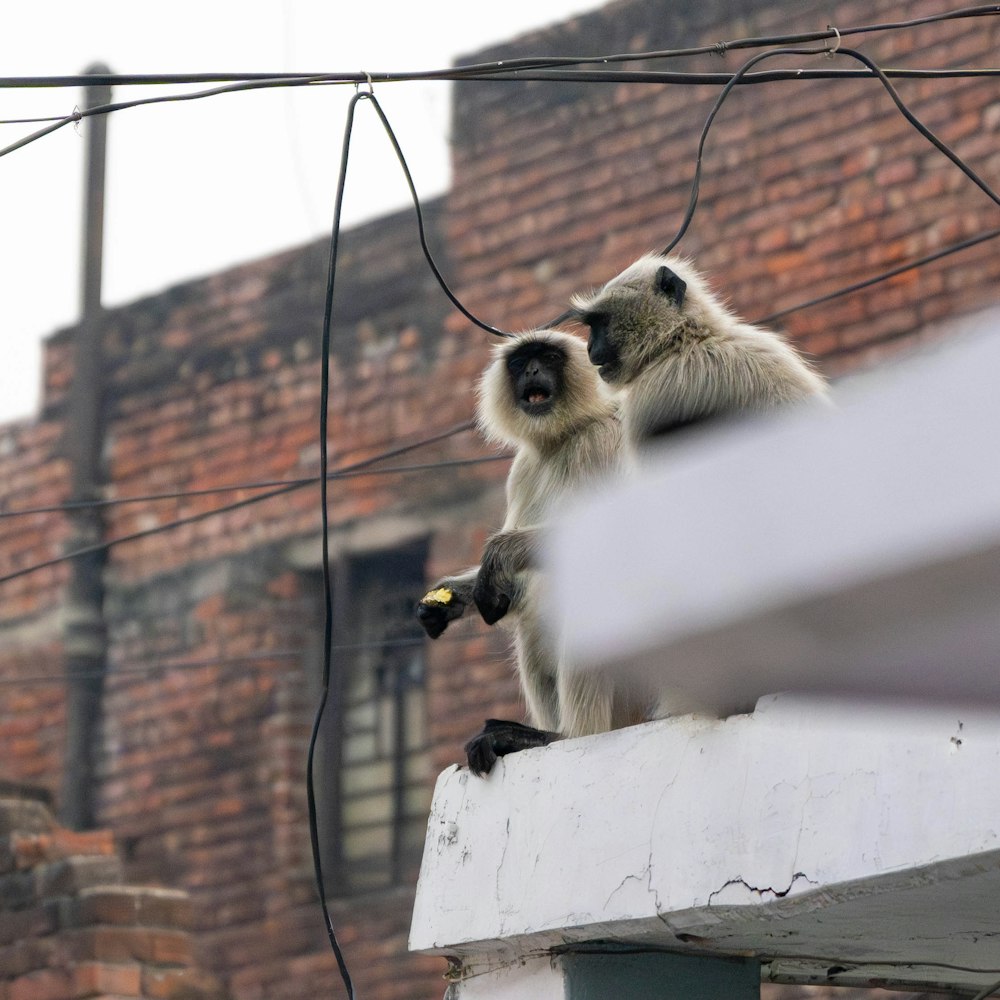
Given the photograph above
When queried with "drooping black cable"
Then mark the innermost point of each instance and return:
(706, 128)
(420, 226)
(325, 522)
(851, 53)
(939, 144)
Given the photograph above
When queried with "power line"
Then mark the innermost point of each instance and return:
(236, 505)
(857, 286)
(504, 67)
(351, 472)
(452, 298)
(234, 487)
(348, 473)
(263, 656)
(733, 81)
(850, 53)
(538, 75)
(498, 70)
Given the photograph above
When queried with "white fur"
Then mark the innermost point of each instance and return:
(701, 360)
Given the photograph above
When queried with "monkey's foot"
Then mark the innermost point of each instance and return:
(500, 738)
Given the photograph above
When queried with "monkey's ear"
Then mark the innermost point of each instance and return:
(671, 286)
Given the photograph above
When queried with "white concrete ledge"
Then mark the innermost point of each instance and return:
(837, 844)
(855, 549)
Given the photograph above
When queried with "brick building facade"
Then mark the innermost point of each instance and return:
(213, 664)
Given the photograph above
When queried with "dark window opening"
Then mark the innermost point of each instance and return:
(373, 774)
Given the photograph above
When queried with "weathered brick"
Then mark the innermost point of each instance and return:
(27, 955)
(806, 187)
(180, 984)
(131, 905)
(18, 890)
(124, 944)
(32, 849)
(48, 984)
(70, 875)
(22, 923)
(100, 979)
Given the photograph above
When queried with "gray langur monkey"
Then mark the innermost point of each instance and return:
(680, 356)
(541, 395)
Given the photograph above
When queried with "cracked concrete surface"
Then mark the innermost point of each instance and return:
(811, 836)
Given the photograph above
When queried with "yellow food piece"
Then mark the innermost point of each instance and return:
(443, 595)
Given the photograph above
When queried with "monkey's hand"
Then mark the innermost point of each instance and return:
(500, 738)
(438, 607)
(506, 554)
(492, 596)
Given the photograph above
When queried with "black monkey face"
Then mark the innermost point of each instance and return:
(536, 377)
(600, 348)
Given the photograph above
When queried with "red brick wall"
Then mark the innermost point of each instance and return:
(31, 715)
(806, 186)
(70, 928)
(203, 768)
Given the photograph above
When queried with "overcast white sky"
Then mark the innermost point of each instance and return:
(196, 186)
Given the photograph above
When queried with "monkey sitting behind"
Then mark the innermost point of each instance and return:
(541, 395)
(658, 333)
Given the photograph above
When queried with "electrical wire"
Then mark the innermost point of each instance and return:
(733, 80)
(352, 471)
(853, 54)
(262, 656)
(236, 505)
(420, 226)
(500, 67)
(361, 469)
(521, 76)
(858, 286)
(538, 75)
(512, 69)
(325, 516)
(451, 463)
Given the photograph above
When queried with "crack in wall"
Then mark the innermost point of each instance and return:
(503, 857)
(629, 878)
(762, 891)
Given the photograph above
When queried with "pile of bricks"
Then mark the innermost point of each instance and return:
(70, 928)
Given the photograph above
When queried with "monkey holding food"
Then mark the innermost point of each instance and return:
(541, 395)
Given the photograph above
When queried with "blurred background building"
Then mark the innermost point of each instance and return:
(199, 728)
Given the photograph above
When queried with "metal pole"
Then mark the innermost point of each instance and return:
(84, 633)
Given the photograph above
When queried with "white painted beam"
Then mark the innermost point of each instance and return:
(816, 837)
(855, 549)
